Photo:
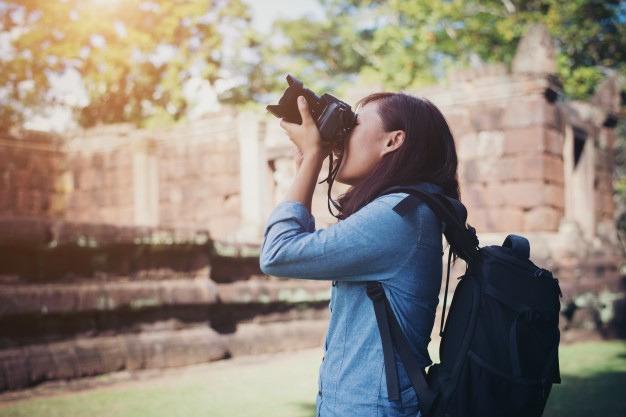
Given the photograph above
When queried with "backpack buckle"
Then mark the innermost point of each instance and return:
(541, 272)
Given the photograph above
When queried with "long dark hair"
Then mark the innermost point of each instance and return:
(428, 153)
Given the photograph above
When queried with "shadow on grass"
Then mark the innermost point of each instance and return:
(305, 409)
(600, 394)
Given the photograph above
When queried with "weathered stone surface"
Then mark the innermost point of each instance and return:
(486, 119)
(534, 140)
(484, 144)
(30, 168)
(531, 111)
(40, 231)
(525, 194)
(73, 359)
(104, 175)
(64, 298)
(475, 195)
(607, 94)
(542, 219)
(109, 296)
(458, 122)
(284, 291)
(497, 219)
(539, 167)
(536, 52)
(509, 169)
(254, 338)
(20, 368)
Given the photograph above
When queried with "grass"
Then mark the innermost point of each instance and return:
(593, 381)
(593, 374)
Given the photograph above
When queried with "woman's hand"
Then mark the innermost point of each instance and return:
(305, 136)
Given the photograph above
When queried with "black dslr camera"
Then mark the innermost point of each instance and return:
(334, 118)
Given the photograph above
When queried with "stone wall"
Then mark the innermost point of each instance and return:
(510, 148)
(603, 185)
(33, 175)
(183, 176)
(101, 169)
(79, 300)
(198, 168)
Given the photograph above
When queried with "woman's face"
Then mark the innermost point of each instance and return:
(366, 145)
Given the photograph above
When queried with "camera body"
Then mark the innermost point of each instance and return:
(333, 117)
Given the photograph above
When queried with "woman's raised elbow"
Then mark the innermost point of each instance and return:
(265, 265)
(269, 264)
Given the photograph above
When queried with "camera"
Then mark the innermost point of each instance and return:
(333, 117)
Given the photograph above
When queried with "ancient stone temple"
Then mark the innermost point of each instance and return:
(123, 248)
(536, 164)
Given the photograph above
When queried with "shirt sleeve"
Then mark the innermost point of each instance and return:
(359, 248)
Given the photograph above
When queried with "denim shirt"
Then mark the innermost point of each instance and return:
(376, 243)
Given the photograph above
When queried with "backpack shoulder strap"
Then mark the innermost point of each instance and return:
(391, 334)
(464, 241)
(450, 211)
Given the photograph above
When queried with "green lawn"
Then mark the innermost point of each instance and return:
(593, 381)
(594, 384)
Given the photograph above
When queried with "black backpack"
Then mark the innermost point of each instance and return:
(499, 347)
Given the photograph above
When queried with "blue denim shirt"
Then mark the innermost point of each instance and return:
(376, 243)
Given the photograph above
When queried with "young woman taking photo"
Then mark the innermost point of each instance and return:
(399, 140)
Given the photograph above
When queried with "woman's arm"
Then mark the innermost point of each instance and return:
(362, 247)
(305, 180)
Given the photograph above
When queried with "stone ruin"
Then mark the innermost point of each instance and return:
(126, 248)
(533, 163)
(118, 253)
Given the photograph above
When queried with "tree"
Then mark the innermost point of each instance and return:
(407, 44)
(132, 56)
(322, 54)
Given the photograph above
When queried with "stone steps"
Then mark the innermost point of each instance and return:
(28, 365)
(107, 296)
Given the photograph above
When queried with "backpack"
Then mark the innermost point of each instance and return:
(499, 347)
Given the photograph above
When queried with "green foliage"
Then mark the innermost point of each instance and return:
(133, 56)
(411, 43)
(309, 50)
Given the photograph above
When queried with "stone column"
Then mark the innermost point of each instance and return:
(579, 181)
(253, 176)
(145, 183)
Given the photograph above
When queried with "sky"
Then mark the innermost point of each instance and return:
(265, 11)
(202, 96)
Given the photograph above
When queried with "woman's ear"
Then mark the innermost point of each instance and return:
(393, 140)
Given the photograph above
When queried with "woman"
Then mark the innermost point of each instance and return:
(399, 140)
